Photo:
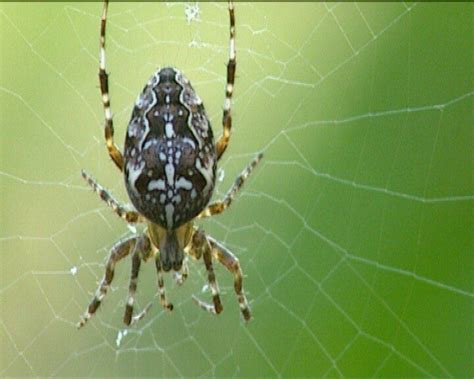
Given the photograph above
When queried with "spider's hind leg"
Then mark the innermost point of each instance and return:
(223, 141)
(114, 151)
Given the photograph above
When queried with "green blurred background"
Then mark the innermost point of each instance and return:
(355, 234)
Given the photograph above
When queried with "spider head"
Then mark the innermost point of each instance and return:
(171, 254)
(171, 244)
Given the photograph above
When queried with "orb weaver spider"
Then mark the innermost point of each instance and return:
(169, 166)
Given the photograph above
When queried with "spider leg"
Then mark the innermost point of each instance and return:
(113, 149)
(223, 141)
(144, 253)
(161, 284)
(128, 319)
(231, 263)
(120, 210)
(181, 276)
(132, 288)
(220, 206)
(118, 252)
(201, 244)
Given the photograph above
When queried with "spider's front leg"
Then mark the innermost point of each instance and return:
(231, 263)
(144, 254)
(118, 252)
(200, 247)
(161, 284)
(209, 246)
(141, 251)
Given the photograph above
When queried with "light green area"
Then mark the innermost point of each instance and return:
(355, 234)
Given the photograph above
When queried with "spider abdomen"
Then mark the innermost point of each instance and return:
(170, 158)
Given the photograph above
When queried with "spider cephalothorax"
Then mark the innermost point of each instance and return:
(169, 166)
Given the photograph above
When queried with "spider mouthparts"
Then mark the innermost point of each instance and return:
(171, 255)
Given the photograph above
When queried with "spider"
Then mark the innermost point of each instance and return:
(169, 166)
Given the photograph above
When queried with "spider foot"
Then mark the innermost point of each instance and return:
(164, 303)
(211, 308)
(83, 320)
(168, 306)
(246, 313)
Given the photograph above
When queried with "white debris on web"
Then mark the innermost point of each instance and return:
(191, 12)
(205, 288)
(120, 335)
(193, 43)
(73, 270)
(220, 174)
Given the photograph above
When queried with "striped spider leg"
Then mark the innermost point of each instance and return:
(218, 207)
(141, 249)
(120, 210)
(113, 149)
(209, 248)
(137, 246)
(223, 141)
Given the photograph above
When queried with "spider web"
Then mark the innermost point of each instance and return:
(354, 233)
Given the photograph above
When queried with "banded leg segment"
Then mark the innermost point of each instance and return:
(118, 252)
(231, 263)
(113, 149)
(120, 210)
(132, 288)
(201, 243)
(223, 141)
(161, 284)
(142, 252)
(220, 206)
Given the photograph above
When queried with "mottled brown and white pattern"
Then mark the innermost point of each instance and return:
(169, 166)
(169, 151)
